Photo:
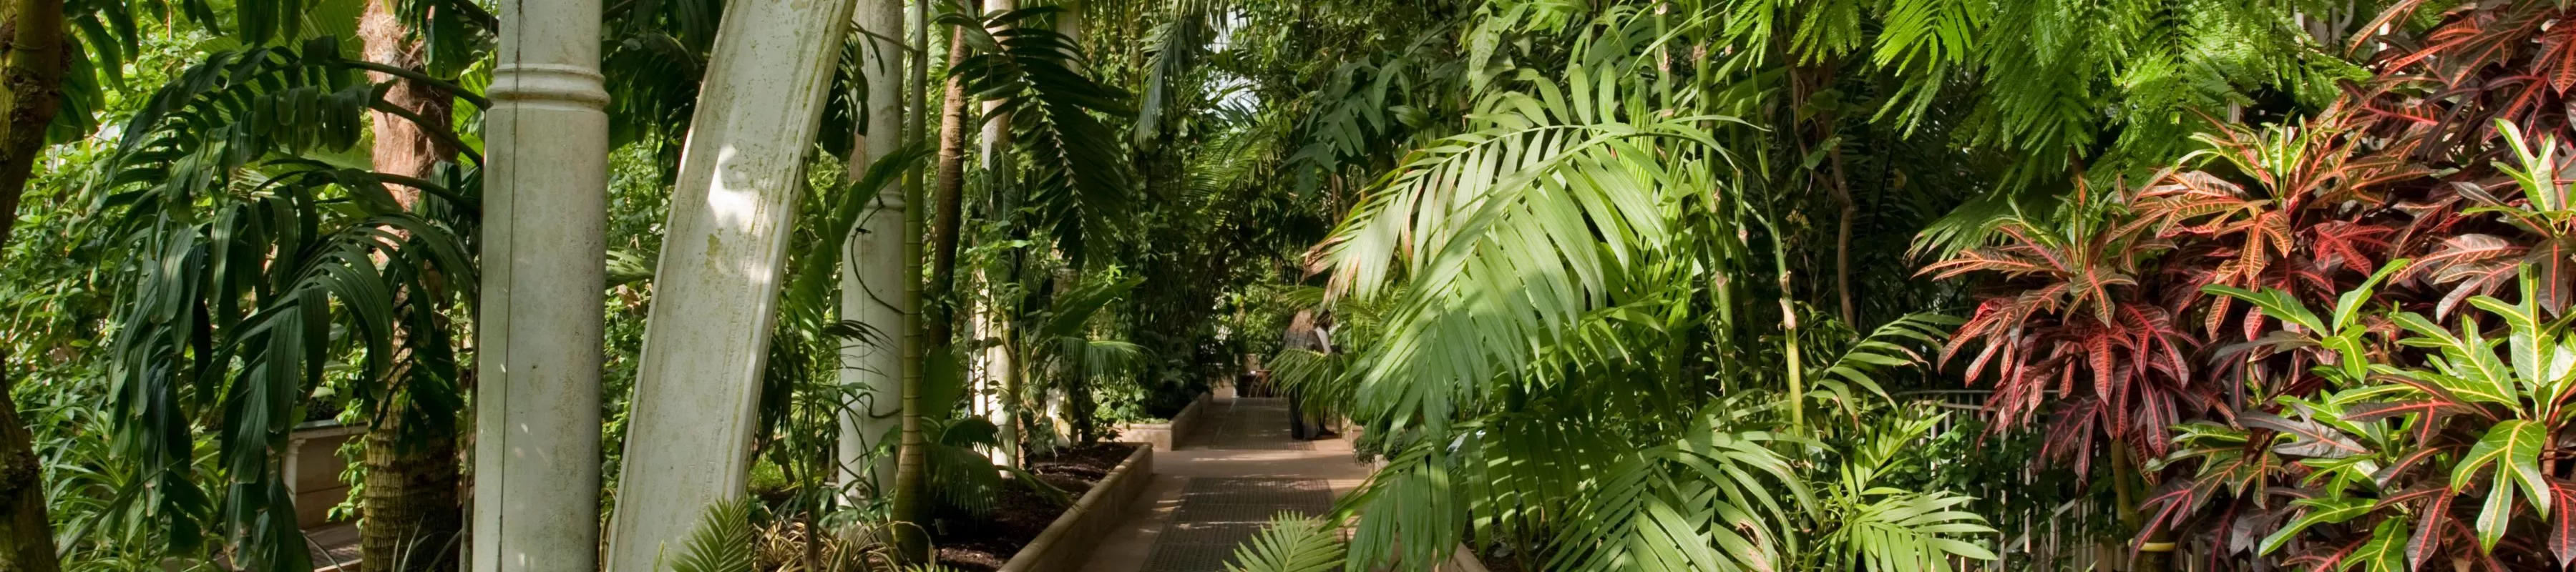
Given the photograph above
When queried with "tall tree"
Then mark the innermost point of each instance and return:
(939, 327)
(412, 513)
(31, 79)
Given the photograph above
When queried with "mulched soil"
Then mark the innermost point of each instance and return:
(1504, 562)
(982, 545)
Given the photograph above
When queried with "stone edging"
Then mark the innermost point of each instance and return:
(1465, 560)
(1164, 436)
(1067, 543)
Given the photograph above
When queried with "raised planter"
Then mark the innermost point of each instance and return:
(1164, 436)
(312, 469)
(1066, 544)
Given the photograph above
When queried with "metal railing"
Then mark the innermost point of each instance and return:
(2050, 538)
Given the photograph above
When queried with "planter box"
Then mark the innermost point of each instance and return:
(312, 469)
(1164, 436)
(1066, 544)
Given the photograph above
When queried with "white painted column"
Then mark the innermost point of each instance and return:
(997, 124)
(991, 323)
(536, 444)
(872, 277)
(1069, 21)
(716, 288)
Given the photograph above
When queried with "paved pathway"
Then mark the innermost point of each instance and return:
(1221, 484)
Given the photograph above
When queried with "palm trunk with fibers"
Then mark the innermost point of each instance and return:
(413, 513)
(411, 516)
(940, 326)
(33, 82)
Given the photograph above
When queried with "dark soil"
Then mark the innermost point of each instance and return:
(972, 544)
(1506, 561)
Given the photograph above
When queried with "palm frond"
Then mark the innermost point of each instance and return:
(1507, 235)
(1291, 544)
(722, 542)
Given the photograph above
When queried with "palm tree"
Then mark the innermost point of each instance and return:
(412, 511)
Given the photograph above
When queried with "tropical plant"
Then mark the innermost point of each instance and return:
(1290, 544)
(2077, 310)
(1616, 285)
(1545, 275)
(255, 261)
(2404, 436)
(1879, 527)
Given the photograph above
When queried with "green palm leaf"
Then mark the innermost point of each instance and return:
(1291, 544)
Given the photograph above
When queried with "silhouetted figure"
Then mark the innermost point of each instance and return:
(1310, 331)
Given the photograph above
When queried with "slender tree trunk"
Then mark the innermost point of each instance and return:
(2125, 483)
(33, 82)
(1789, 342)
(910, 544)
(1843, 239)
(1806, 81)
(939, 328)
(413, 513)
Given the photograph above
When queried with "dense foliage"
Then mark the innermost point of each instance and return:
(1607, 285)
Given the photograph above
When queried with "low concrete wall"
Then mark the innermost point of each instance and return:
(312, 469)
(1164, 436)
(1066, 544)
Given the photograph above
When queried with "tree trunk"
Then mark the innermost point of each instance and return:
(33, 78)
(910, 544)
(1805, 82)
(402, 147)
(413, 514)
(412, 519)
(940, 326)
(26, 536)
